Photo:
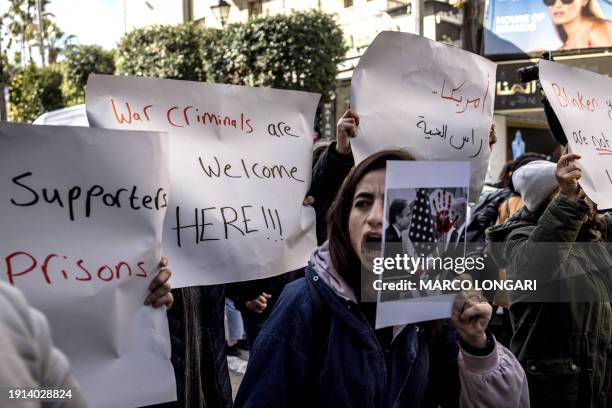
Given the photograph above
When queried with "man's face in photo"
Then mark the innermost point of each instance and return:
(403, 220)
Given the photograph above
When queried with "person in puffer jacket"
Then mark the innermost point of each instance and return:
(319, 347)
(563, 331)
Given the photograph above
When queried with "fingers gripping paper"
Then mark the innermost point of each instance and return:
(582, 101)
(82, 216)
(434, 100)
(240, 164)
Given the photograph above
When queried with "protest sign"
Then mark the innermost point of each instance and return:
(82, 214)
(423, 245)
(582, 101)
(434, 100)
(240, 166)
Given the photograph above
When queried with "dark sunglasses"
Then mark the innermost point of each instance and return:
(552, 2)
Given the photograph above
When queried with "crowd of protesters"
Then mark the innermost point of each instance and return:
(312, 337)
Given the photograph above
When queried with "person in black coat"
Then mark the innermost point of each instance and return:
(331, 169)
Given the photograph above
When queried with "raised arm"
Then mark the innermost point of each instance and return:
(331, 169)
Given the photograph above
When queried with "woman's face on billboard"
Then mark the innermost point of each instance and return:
(562, 12)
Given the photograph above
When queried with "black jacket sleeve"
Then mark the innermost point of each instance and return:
(327, 177)
(488, 215)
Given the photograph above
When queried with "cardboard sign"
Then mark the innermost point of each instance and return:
(240, 166)
(433, 100)
(582, 101)
(82, 214)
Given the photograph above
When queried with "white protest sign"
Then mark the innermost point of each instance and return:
(432, 99)
(582, 101)
(433, 198)
(240, 166)
(82, 215)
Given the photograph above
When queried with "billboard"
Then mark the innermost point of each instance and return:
(533, 26)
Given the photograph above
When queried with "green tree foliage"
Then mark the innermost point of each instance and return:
(162, 52)
(299, 51)
(21, 20)
(21, 24)
(34, 91)
(80, 61)
(56, 41)
(7, 68)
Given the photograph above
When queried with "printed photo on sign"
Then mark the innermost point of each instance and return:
(427, 225)
(82, 214)
(424, 223)
(240, 167)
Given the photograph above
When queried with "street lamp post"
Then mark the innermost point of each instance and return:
(221, 11)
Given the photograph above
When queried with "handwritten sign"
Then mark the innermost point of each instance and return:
(582, 101)
(82, 214)
(240, 164)
(434, 100)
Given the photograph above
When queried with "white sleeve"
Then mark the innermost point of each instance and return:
(28, 357)
(496, 380)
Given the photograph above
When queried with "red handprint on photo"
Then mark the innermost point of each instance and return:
(442, 205)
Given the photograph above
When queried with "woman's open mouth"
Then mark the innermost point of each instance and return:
(372, 244)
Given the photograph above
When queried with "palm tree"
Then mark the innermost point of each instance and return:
(56, 41)
(21, 27)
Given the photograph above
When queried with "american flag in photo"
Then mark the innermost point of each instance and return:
(422, 232)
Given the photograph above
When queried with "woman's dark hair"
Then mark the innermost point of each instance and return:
(396, 209)
(343, 256)
(505, 175)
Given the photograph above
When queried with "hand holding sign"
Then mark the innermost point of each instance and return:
(346, 129)
(160, 287)
(471, 316)
(492, 136)
(568, 174)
